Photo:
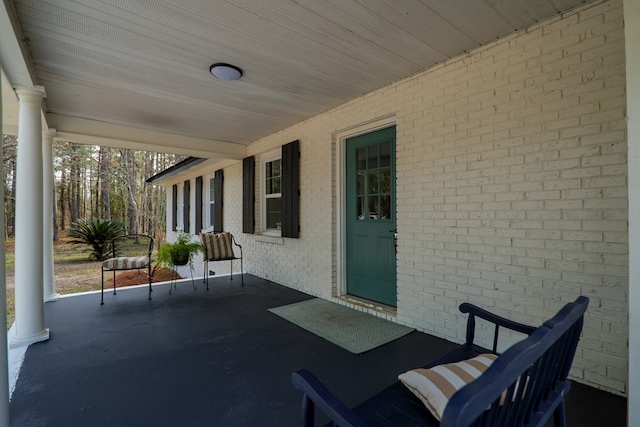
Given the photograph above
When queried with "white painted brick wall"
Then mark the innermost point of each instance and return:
(511, 188)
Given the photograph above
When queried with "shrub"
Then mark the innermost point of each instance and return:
(96, 233)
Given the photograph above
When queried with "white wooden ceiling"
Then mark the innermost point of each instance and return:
(145, 63)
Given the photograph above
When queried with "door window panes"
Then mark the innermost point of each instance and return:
(374, 182)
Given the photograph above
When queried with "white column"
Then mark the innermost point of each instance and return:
(47, 215)
(632, 41)
(29, 324)
(4, 356)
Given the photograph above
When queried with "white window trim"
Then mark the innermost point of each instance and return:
(266, 158)
(206, 215)
(180, 205)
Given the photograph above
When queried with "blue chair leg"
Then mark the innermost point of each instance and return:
(559, 416)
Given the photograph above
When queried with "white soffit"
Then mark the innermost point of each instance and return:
(145, 64)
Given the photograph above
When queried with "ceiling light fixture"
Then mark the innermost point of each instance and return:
(225, 71)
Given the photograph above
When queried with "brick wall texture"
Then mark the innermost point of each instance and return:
(511, 188)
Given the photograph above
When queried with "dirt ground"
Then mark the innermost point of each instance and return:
(74, 277)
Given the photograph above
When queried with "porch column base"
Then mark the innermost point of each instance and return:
(52, 297)
(15, 341)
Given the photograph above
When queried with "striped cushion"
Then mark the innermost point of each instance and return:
(217, 245)
(435, 386)
(126, 263)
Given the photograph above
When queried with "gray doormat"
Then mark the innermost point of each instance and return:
(350, 329)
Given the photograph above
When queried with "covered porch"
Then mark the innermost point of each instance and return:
(214, 357)
(517, 154)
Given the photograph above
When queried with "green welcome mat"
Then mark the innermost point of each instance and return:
(350, 329)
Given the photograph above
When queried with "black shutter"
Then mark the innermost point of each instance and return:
(248, 194)
(217, 205)
(186, 227)
(199, 206)
(174, 207)
(291, 189)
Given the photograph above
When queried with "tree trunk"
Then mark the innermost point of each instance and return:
(105, 183)
(56, 231)
(74, 177)
(82, 198)
(10, 145)
(132, 205)
(63, 199)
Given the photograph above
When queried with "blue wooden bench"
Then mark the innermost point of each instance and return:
(524, 386)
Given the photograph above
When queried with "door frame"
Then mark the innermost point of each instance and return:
(340, 142)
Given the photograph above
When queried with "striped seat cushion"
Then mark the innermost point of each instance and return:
(217, 246)
(126, 263)
(435, 386)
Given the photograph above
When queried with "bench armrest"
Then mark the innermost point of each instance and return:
(316, 394)
(498, 321)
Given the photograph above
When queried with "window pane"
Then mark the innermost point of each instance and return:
(361, 154)
(276, 167)
(385, 180)
(373, 183)
(211, 214)
(373, 208)
(385, 154)
(361, 180)
(274, 213)
(361, 207)
(212, 189)
(373, 156)
(385, 207)
(272, 177)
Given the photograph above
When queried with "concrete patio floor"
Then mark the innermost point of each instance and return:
(214, 358)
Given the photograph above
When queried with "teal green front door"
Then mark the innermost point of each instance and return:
(371, 216)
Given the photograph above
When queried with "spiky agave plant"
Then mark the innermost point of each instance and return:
(96, 233)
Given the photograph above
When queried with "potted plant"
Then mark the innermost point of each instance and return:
(179, 252)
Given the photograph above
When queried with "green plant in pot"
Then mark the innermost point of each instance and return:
(178, 253)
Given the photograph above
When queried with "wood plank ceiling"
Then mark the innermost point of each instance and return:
(145, 63)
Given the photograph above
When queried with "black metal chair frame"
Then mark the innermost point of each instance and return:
(207, 260)
(114, 253)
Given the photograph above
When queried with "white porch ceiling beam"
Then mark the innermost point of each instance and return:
(12, 51)
(15, 66)
(84, 131)
(9, 108)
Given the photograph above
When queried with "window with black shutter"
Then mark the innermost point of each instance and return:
(174, 207)
(217, 205)
(186, 226)
(248, 194)
(291, 189)
(199, 207)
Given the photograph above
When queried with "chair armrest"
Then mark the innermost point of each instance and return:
(316, 394)
(233, 239)
(498, 321)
